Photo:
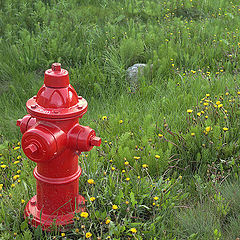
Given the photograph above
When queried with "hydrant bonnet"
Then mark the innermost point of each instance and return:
(56, 99)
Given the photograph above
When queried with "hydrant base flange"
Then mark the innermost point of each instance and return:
(36, 217)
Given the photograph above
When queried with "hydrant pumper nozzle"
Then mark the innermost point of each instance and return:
(51, 138)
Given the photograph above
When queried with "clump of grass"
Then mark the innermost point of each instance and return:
(199, 222)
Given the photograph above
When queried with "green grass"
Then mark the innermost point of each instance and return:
(191, 49)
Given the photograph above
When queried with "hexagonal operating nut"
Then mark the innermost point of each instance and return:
(95, 141)
(31, 149)
(56, 67)
(19, 122)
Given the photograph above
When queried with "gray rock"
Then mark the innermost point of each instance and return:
(133, 73)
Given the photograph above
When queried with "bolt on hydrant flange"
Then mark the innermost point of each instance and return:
(52, 137)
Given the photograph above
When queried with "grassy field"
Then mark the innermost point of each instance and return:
(169, 163)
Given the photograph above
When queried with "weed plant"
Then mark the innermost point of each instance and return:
(168, 166)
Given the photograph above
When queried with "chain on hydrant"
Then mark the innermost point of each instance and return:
(52, 137)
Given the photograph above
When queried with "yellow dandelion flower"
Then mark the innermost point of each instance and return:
(104, 118)
(19, 157)
(144, 165)
(88, 235)
(192, 134)
(225, 129)
(160, 135)
(207, 95)
(138, 177)
(133, 230)
(113, 168)
(127, 179)
(18, 171)
(16, 148)
(227, 93)
(220, 105)
(19, 181)
(123, 171)
(136, 158)
(127, 202)
(120, 121)
(16, 162)
(92, 199)
(76, 230)
(114, 207)
(157, 156)
(13, 185)
(180, 177)
(205, 104)
(218, 102)
(90, 181)
(126, 163)
(189, 111)
(84, 214)
(208, 129)
(108, 221)
(22, 201)
(154, 204)
(16, 177)
(238, 93)
(199, 114)
(155, 198)
(3, 166)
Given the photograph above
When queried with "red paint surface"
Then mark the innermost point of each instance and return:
(51, 137)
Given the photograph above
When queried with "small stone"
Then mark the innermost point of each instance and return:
(133, 74)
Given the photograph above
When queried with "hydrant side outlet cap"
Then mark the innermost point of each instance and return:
(56, 77)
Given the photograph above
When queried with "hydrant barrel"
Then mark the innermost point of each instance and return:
(52, 137)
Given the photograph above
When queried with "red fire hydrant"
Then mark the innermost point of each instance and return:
(53, 138)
